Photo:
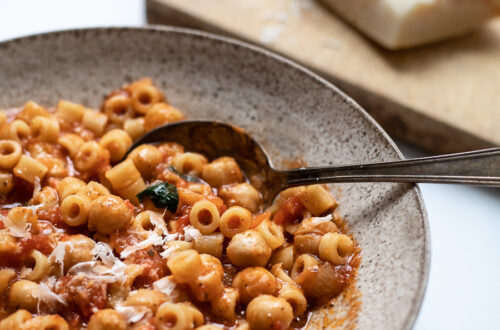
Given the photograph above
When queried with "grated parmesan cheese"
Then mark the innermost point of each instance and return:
(97, 271)
(49, 297)
(152, 239)
(57, 255)
(319, 220)
(191, 234)
(132, 314)
(111, 269)
(158, 222)
(14, 229)
(168, 252)
(104, 252)
(166, 286)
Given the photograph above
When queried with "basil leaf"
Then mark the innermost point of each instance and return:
(186, 177)
(162, 194)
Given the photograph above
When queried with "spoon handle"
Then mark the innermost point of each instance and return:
(481, 167)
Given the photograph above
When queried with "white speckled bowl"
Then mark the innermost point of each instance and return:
(290, 110)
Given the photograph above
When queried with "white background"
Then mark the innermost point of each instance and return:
(464, 282)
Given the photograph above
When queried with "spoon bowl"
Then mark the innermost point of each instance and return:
(216, 139)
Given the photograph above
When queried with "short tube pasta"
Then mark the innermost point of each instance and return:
(204, 216)
(69, 111)
(70, 186)
(45, 129)
(189, 163)
(210, 244)
(118, 108)
(284, 255)
(123, 175)
(88, 157)
(40, 268)
(32, 110)
(143, 97)
(77, 244)
(335, 247)
(72, 143)
(10, 153)
(317, 199)
(117, 142)
(30, 169)
(75, 210)
(272, 233)
(94, 121)
(235, 220)
(134, 127)
(18, 130)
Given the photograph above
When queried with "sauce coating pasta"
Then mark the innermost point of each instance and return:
(165, 239)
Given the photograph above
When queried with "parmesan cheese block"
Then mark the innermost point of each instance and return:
(406, 23)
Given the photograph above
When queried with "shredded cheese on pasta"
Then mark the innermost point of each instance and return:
(132, 314)
(46, 295)
(191, 234)
(166, 286)
(152, 239)
(319, 220)
(15, 230)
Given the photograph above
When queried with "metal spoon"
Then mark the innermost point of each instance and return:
(216, 139)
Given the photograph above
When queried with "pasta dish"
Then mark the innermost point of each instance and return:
(164, 239)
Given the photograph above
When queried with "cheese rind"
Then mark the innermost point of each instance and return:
(399, 24)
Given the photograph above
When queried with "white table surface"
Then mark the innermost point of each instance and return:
(464, 283)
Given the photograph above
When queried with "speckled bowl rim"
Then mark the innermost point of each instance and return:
(424, 273)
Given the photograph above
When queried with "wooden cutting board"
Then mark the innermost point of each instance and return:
(443, 97)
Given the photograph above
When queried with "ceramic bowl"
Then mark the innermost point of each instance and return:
(291, 111)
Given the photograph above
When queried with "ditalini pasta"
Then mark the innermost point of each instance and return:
(165, 239)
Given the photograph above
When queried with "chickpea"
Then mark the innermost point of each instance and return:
(248, 249)
(78, 250)
(46, 322)
(253, 282)
(6, 275)
(108, 214)
(106, 319)
(222, 171)
(14, 320)
(265, 311)
(241, 194)
(24, 294)
(145, 158)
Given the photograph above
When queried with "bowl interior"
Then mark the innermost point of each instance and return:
(293, 113)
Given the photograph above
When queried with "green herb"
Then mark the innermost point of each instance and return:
(162, 194)
(186, 177)
(151, 253)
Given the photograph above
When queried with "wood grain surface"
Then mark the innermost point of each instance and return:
(443, 97)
